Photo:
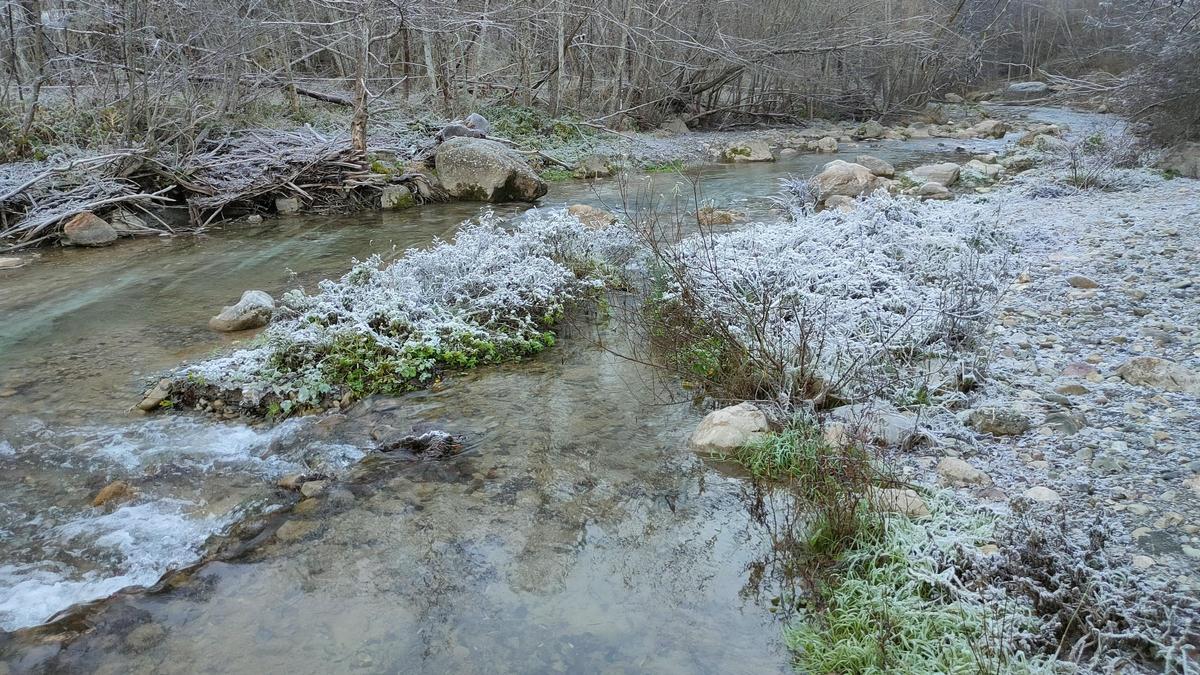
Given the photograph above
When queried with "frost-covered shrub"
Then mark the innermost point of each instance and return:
(491, 294)
(798, 196)
(1097, 160)
(1089, 607)
(834, 304)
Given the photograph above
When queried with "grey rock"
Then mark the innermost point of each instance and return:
(725, 430)
(482, 170)
(252, 311)
(1158, 373)
(88, 229)
(998, 421)
(944, 173)
(876, 166)
(478, 123)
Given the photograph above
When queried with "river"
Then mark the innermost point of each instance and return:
(577, 534)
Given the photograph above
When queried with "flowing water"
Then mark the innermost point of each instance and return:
(576, 534)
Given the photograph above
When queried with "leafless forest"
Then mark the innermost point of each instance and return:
(168, 73)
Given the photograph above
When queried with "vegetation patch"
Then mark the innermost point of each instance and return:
(891, 605)
(826, 307)
(491, 295)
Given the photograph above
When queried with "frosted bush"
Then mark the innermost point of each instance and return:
(490, 294)
(838, 303)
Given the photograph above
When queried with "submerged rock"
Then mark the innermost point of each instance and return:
(154, 398)
(295, 530)
(114, 493)
(1151, 371)
(711, 215)
(88, 229)
(482, 170)
(436, 444)
(592, 216)
(725, 430)
(252, 311)
(754, 150)
(11, 263)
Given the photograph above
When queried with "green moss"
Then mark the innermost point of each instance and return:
(555, 174)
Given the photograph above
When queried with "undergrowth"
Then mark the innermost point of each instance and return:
(890, 604)
(491, 295)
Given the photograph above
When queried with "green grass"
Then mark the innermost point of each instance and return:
(675, 166)
(555, 174)
(881, 609)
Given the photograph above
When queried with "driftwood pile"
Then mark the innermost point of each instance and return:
(252, 170)
(37, 197)
(239, 174)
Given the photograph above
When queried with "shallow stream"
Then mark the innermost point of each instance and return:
(577, 534)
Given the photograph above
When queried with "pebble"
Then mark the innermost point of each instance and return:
(1042, 494)
(313, 488)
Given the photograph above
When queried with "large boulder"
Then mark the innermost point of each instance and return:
(1156, 373)
(725, 430)
(482, 170)
(843, 178)
(876, 166)
(1183, 160)
(945, 173)
(753, 150)
(252, 311)
(88, 229)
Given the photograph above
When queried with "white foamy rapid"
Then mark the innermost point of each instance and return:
(192, 479)
(133, 546)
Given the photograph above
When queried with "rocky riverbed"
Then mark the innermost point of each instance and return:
(1110, 278)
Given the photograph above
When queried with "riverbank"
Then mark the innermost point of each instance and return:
(558, 449)
(93, 197)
